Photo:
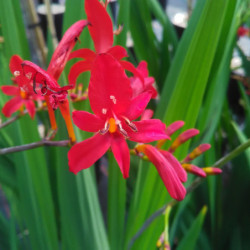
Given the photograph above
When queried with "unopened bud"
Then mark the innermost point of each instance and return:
(194, 170)
(173, 127)
(197, 152)
(183, 137)
(212, 171)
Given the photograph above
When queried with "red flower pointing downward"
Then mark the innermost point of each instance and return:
(110, 97)
(101, 31)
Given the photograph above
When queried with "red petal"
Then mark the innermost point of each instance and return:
(100, 28)
(87, 122)
(77, 69)
(109, 87)
(86, 54)
(31, 108)
(84, 154)
(176, 165)
(10, 90)
(15, 64)
(147, 114)
(148, 131)
(12, 106)
(167, 173)
(173, 127)
(121, 153)
(131, 68)
(143, 68)
(138, 105)
(61, 54)
(118, 52)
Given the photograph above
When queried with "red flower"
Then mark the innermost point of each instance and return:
(47, 80)
(110, 97)
(23, 92)
(101, 31)
(56, 96)
(242, 31)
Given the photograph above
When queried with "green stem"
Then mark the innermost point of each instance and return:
(232, 154)
(12, 119)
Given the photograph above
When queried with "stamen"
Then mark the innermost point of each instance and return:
(106, 128)
(113, 99)
(104, 111)
(133, 127)
(16, 73)
(123, 132)
(34, 83)
(130, 124)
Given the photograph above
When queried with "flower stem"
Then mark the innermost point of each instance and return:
(12, 119)
(16, 117)
(193, 186)
(15, 149)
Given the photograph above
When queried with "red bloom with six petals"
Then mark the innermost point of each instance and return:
(110, 97)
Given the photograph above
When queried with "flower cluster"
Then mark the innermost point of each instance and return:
(116, 99)
(169, 168)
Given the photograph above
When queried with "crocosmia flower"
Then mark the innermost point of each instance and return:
(173, 172)
(101, 31)
(47, 80)
(55, 95)
(22, 93)
(115, 110)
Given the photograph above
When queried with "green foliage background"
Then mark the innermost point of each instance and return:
(47, 207)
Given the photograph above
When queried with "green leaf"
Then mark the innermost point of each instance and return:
(191, 236)
(219, 76)
(123, 20)
(116, 204)
(242, 138)
(143, 36)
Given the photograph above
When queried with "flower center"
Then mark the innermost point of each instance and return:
(114, 124)
(23, 94)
